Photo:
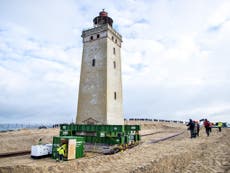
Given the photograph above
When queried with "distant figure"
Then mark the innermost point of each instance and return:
(40, 141)
(191, 127)
(210, 126)
(220, 124)
(207, 126)
(196, 128)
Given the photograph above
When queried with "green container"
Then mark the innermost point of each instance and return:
(56, 140)
(107, 134)
(79, 151)
(79, 145)
(96, 128)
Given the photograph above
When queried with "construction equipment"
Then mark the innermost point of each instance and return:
(40, 151)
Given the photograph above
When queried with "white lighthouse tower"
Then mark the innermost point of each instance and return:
(100, 90)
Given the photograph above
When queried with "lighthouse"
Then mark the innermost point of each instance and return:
(100, 88)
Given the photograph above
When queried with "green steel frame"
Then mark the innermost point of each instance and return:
(105, 134)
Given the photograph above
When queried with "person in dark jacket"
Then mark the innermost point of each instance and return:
(191, 126)
(207, 126)
(198, 128)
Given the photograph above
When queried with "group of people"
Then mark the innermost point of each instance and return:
(194, 127)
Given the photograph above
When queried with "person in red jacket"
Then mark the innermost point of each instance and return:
(207, 126)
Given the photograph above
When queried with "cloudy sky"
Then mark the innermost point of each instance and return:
(175, 58)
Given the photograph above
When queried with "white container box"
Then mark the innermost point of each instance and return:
(38, 151)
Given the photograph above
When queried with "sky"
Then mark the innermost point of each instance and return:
(175, 58)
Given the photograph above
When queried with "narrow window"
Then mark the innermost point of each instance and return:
(98, 35)
(115, 95)
(116, 41)
(91, 38)
(114, 51)
(93, 62)
(112, 38)
(114, 64)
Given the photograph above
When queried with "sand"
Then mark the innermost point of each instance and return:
(23, 139)
(180, 154)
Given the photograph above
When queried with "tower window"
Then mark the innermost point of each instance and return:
(116, 41)
(114, 51)
(98, 35)
(112, 38)
(93, 62)
(91, 38)
(114, 64)
(115, 95)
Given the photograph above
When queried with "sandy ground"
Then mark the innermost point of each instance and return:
(23, 139)
(180, 154)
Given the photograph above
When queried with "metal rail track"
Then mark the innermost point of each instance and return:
(165, 138)
(26, 152)
(12, 154)
(148, 134)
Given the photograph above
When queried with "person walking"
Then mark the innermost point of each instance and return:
(220, 124)
(207, 126)
(191, 127)
(210, 126)
(195, 129)
(197, 126)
